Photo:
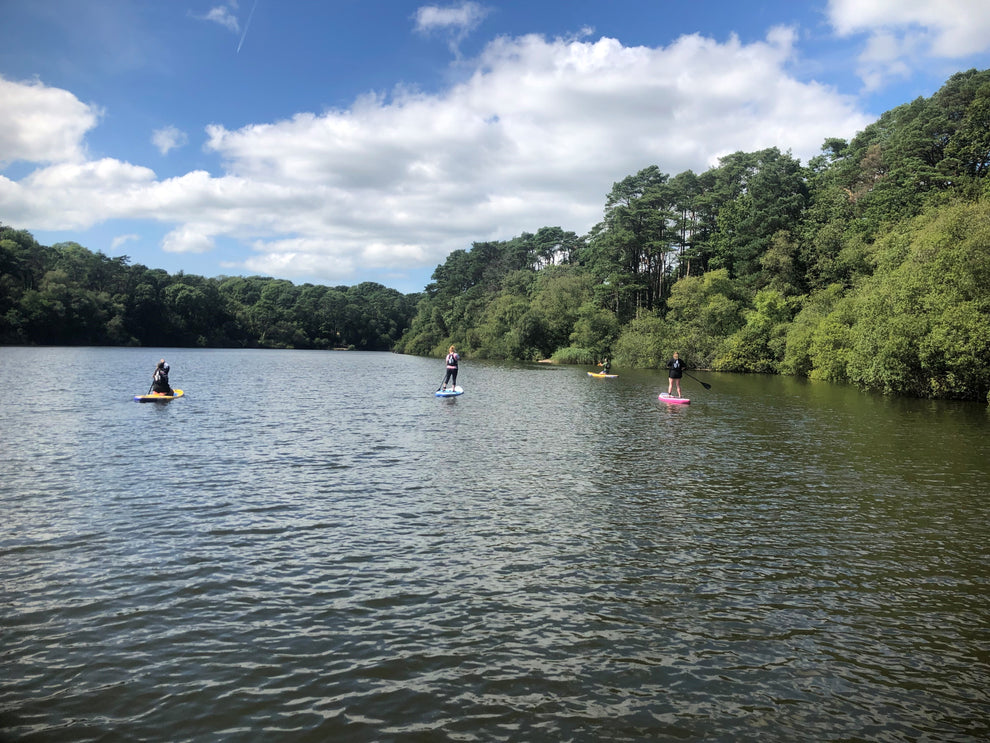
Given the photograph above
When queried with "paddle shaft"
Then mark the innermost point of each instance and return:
(441, 384)
(703, 384)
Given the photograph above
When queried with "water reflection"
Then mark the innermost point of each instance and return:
(292, 550)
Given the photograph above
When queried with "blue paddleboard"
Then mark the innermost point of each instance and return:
(450, 392)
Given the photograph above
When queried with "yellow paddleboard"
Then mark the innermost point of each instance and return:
(157, 397)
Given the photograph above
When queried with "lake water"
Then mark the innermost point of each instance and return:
(310, 546)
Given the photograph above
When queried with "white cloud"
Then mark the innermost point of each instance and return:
(535, 137)
(302, 258)
(908, 34)
(456, 21)
(168, 138)
(463, 17)
(120, 240)
(224, 15)
(41, 124)
(73, 195)
(188, 239)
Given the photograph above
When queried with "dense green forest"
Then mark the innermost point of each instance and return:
(869, 265)
(68, 295)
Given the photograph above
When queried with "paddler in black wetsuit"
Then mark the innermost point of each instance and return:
(451, 376)
(159, 381)
(676, 367)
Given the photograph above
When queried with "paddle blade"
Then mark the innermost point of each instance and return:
(703, 384)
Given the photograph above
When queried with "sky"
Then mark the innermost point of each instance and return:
(343, 141)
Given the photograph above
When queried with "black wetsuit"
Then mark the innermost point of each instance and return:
(451, 370)
(160, 382)
(677, 367)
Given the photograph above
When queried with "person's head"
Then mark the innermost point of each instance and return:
(675, 355)
(161, 364)
(450, 350)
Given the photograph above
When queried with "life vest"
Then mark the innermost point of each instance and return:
(159, 382)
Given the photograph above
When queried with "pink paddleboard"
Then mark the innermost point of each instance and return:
(664, 397)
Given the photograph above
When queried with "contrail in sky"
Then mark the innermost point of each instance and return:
(246, 26)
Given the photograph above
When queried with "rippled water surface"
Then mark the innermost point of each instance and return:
(312, 547)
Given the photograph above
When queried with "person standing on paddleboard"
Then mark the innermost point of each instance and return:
(159, 381)
(452, 359)
(676, 371)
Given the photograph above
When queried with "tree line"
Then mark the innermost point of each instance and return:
(66, 294)
(869, 265)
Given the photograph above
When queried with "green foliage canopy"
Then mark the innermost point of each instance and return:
(868, 265)
(68, 295)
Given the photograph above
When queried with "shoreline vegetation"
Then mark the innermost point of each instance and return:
(870, 265)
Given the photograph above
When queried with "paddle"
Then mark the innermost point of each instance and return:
(441, 386)
(703, 384)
